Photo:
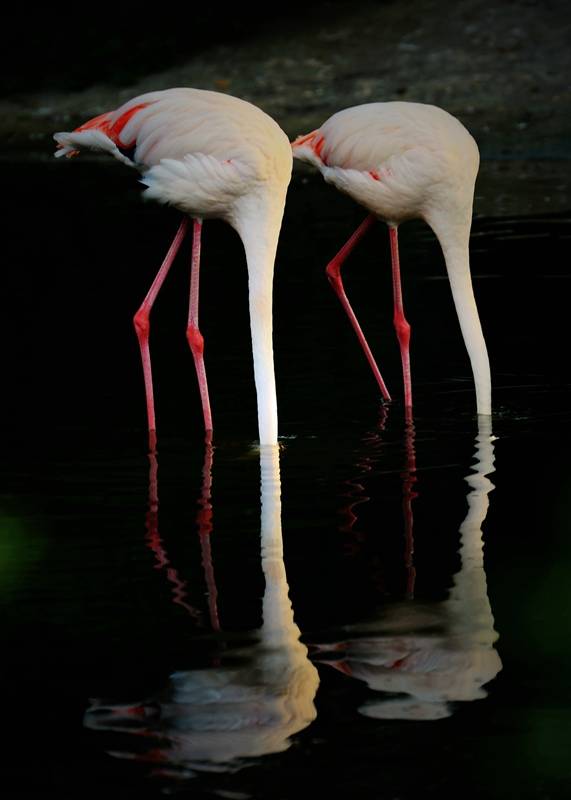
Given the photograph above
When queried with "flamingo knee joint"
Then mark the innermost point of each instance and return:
(142, 324)
(195, 340)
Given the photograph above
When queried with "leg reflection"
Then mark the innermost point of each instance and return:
(408, 495)
(367, 462)
(431, 654)
(204, 522)
(250, 704)
(155, 543)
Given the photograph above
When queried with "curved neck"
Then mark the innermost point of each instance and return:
(454, 242)
(259, 225)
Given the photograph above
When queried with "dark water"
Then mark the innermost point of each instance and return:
(388, 620)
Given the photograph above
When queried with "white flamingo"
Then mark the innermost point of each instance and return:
(404, 161)
(211, 156)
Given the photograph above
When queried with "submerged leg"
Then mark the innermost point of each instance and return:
(193, 335)
(408, 495)
(204, 520)
(401, 325)
(142, 324)
(156, 544)
(333, 272)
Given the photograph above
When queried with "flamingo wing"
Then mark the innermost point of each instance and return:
(199, 184)
(104, 133)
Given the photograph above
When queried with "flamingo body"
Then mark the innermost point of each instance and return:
(211, 156)
(199, 151)
(404, 161)
(400, 160)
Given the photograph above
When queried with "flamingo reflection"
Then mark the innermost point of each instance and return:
(425, 656)
(156, 544)
(216, 719)
(356, 494)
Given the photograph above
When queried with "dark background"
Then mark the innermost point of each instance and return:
(85, 612)
(81, 248)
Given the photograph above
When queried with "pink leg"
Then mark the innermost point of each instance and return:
(401, 325)
(333, 271)
(193, 335)
(142, 326)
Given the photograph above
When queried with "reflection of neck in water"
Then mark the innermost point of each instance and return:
(209, 719)
(468, 604)
(434, 654)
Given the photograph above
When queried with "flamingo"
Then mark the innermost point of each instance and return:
(211, 156)
(405, 161)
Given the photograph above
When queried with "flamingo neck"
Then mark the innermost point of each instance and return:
(453, 235)
(259, 225)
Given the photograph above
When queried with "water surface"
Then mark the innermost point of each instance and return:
(378, 610)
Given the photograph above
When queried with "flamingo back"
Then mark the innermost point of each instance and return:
(395, 158)
(198, 150)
